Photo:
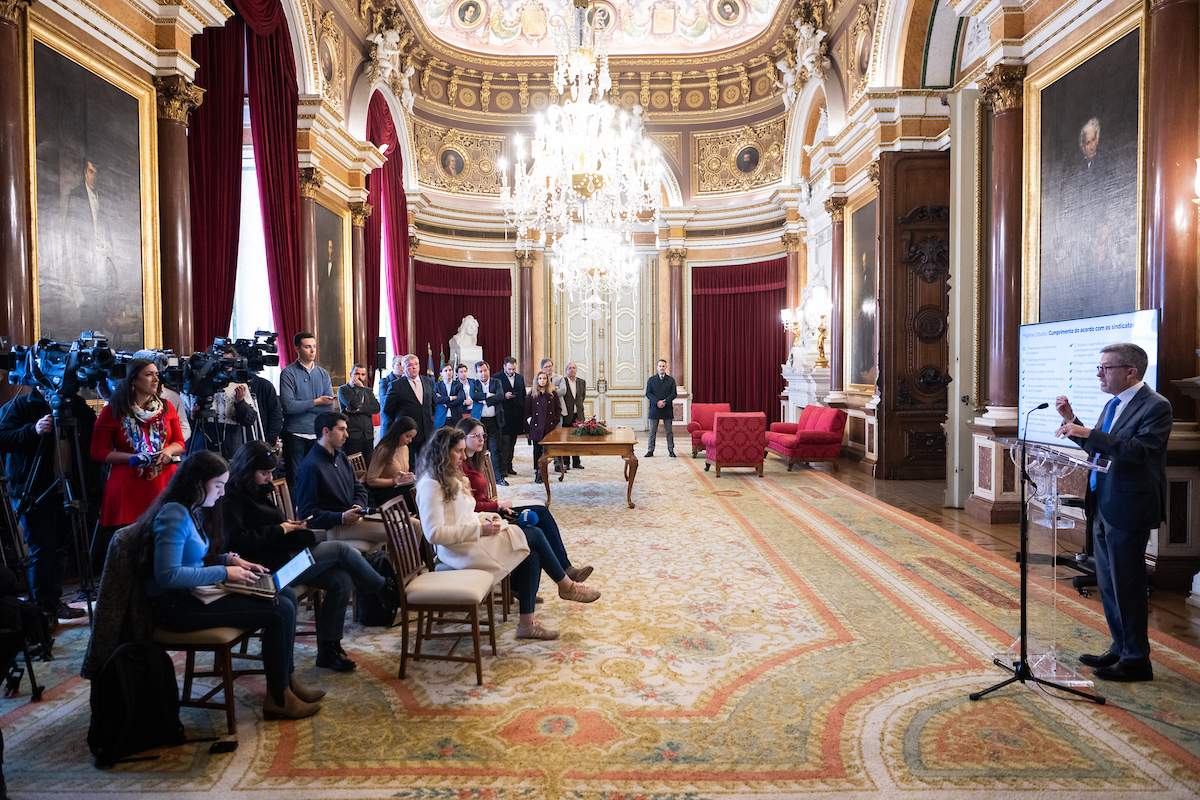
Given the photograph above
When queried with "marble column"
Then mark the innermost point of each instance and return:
(410, 299)
(177, 97)
(836, 208)
(1172, 133)
(363, 345)
(676, 257)
(995, 488)
(311, 179)
(797, 267)
(16, 288)
(1003, 89)
(525, 259)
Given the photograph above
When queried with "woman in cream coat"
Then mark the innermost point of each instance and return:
(464, 539)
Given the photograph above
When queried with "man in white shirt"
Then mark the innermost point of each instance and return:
(573, 390)
(488, 394)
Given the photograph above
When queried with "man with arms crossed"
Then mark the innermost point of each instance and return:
(360, 406)
(1125, 503)
(513, 385)
(305, 390)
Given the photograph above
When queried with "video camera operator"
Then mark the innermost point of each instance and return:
(235, 411)
(27, 436)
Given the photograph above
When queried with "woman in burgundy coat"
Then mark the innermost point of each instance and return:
(542, 413)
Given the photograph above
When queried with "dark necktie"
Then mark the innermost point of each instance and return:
(1110, 411)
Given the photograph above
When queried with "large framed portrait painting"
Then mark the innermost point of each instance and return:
(1087, 172)
(95, 263)
(861, 278)
(332, 292)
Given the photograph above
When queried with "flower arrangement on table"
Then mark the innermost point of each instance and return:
(589, 428)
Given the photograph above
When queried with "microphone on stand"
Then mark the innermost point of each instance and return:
(1025, 442)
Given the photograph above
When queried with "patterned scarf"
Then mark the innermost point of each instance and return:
(147, 430)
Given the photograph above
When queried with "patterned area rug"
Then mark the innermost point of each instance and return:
(757, 638)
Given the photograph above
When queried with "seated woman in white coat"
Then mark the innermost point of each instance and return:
(464, 539)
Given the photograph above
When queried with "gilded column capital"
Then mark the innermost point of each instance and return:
(676, 256)
(836, 208)
(525, 258)
(177, 97)
(11, 9)
(413, 243)
(311, 179)
(359, 213)
(1003, 87)
(873, 174)
(791, 241)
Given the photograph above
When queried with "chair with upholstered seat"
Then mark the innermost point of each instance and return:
(430, 594)
(702, 422)
(221, 642)
(736, 440)
(817, 436)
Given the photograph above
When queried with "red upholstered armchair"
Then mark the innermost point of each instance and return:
(736, 440)
(816, 437)
(702, 421)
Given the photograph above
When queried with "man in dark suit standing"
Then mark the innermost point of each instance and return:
(1125, 503)
(411, 395)
(574, 392)
(385, 380)
(660, 391)
(488, 396)
(512, 383)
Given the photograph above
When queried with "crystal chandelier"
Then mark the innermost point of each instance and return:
(587, 164)
(592, 264)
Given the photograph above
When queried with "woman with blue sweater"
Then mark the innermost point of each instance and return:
(179, 540)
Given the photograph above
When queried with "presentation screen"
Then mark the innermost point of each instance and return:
(1060, 358)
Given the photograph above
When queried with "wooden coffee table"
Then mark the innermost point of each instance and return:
(560, 442)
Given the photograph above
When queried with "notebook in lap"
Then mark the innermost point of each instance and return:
(271, 583)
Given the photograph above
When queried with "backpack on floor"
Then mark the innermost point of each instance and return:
(135, 704)
(377, 609)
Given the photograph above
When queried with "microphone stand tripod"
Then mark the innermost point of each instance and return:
(1021, 671)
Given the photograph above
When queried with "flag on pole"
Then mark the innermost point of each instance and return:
(442, 355)
(429, 368)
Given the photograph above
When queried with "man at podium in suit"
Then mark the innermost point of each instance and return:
(1124, 504)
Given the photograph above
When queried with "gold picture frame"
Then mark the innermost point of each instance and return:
(1129, 21)
(65, 258)
(855, 208)
(332, 229)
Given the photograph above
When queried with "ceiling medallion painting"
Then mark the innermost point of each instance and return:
(860, 48)
(459, 162)
(333, 65)
(738, 160)
(519, 27)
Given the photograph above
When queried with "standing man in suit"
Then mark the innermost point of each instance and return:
(385, 380)
(660, 391)
(360, 405)
(488, 395)
(574, 390)
(447, 398)
(1125, 503)
(411, 395)
(512, 383)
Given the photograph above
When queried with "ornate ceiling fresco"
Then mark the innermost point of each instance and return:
(527, 27)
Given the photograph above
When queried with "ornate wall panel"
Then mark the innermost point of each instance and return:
(460, 162)
(738, 159)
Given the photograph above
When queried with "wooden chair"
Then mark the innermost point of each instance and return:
(359, 462)
(506, 595)
(306, 595)
(221, 642)
(283, 498)
(459, 591)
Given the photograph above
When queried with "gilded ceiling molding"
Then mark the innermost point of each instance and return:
(738, 159)
(359, 213)
(676, 77)
(311, 180)
(1003, 87)
(177, 97)
(11, 9)
(835, 207)
(523, 92)
(644, 97)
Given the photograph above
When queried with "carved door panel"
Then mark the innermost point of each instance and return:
(914, 308)
(613, 352)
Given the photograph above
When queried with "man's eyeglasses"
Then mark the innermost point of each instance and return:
(1103, 367)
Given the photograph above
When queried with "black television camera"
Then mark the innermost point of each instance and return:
(260, 352)
(62, 369)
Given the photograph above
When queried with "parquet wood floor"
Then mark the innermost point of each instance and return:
(1169, 612)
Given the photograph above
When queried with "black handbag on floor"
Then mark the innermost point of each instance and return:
(378, 609)
(135, 704)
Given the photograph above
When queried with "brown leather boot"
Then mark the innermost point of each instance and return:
(306, 694)
(293, 707)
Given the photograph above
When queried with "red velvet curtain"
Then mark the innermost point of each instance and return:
(273, 98)
(385, 190)
(738, 342)
(215, 167)
(447, 294)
